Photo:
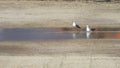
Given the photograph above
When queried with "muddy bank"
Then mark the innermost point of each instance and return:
(107, 48)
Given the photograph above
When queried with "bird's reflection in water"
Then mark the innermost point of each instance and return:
(88, 34)
(78, 35)
(74, 35)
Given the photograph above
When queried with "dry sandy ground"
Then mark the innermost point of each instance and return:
(57, 14)
(59, 62)
(60, 54)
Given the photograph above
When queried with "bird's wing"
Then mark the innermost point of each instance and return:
(77, 26)
(93, 29)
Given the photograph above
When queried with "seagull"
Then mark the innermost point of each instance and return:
(75, 25)
(88, 29)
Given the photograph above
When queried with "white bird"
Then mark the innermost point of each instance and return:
(88, 29)
(75, 25)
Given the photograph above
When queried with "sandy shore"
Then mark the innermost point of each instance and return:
(61, 47)
(19, 14)
(59, 62)
(60, 54)
(85, 53)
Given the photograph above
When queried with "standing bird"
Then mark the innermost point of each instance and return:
(75, 25)
(88, 29)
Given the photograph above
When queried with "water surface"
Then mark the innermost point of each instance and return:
(55, 33)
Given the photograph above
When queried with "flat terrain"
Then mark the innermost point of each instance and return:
(60, 54)
(19, 14)
(83, 47)
(85, 53)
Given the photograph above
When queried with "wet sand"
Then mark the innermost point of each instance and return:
(61, 53)
(83, 47)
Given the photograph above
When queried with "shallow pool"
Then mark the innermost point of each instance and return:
(55, 34)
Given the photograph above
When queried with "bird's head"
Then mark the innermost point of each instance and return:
(74, 22)
(87, 26)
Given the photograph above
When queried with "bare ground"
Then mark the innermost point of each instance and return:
(60, 53)
(22, 14)
(83, 47)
